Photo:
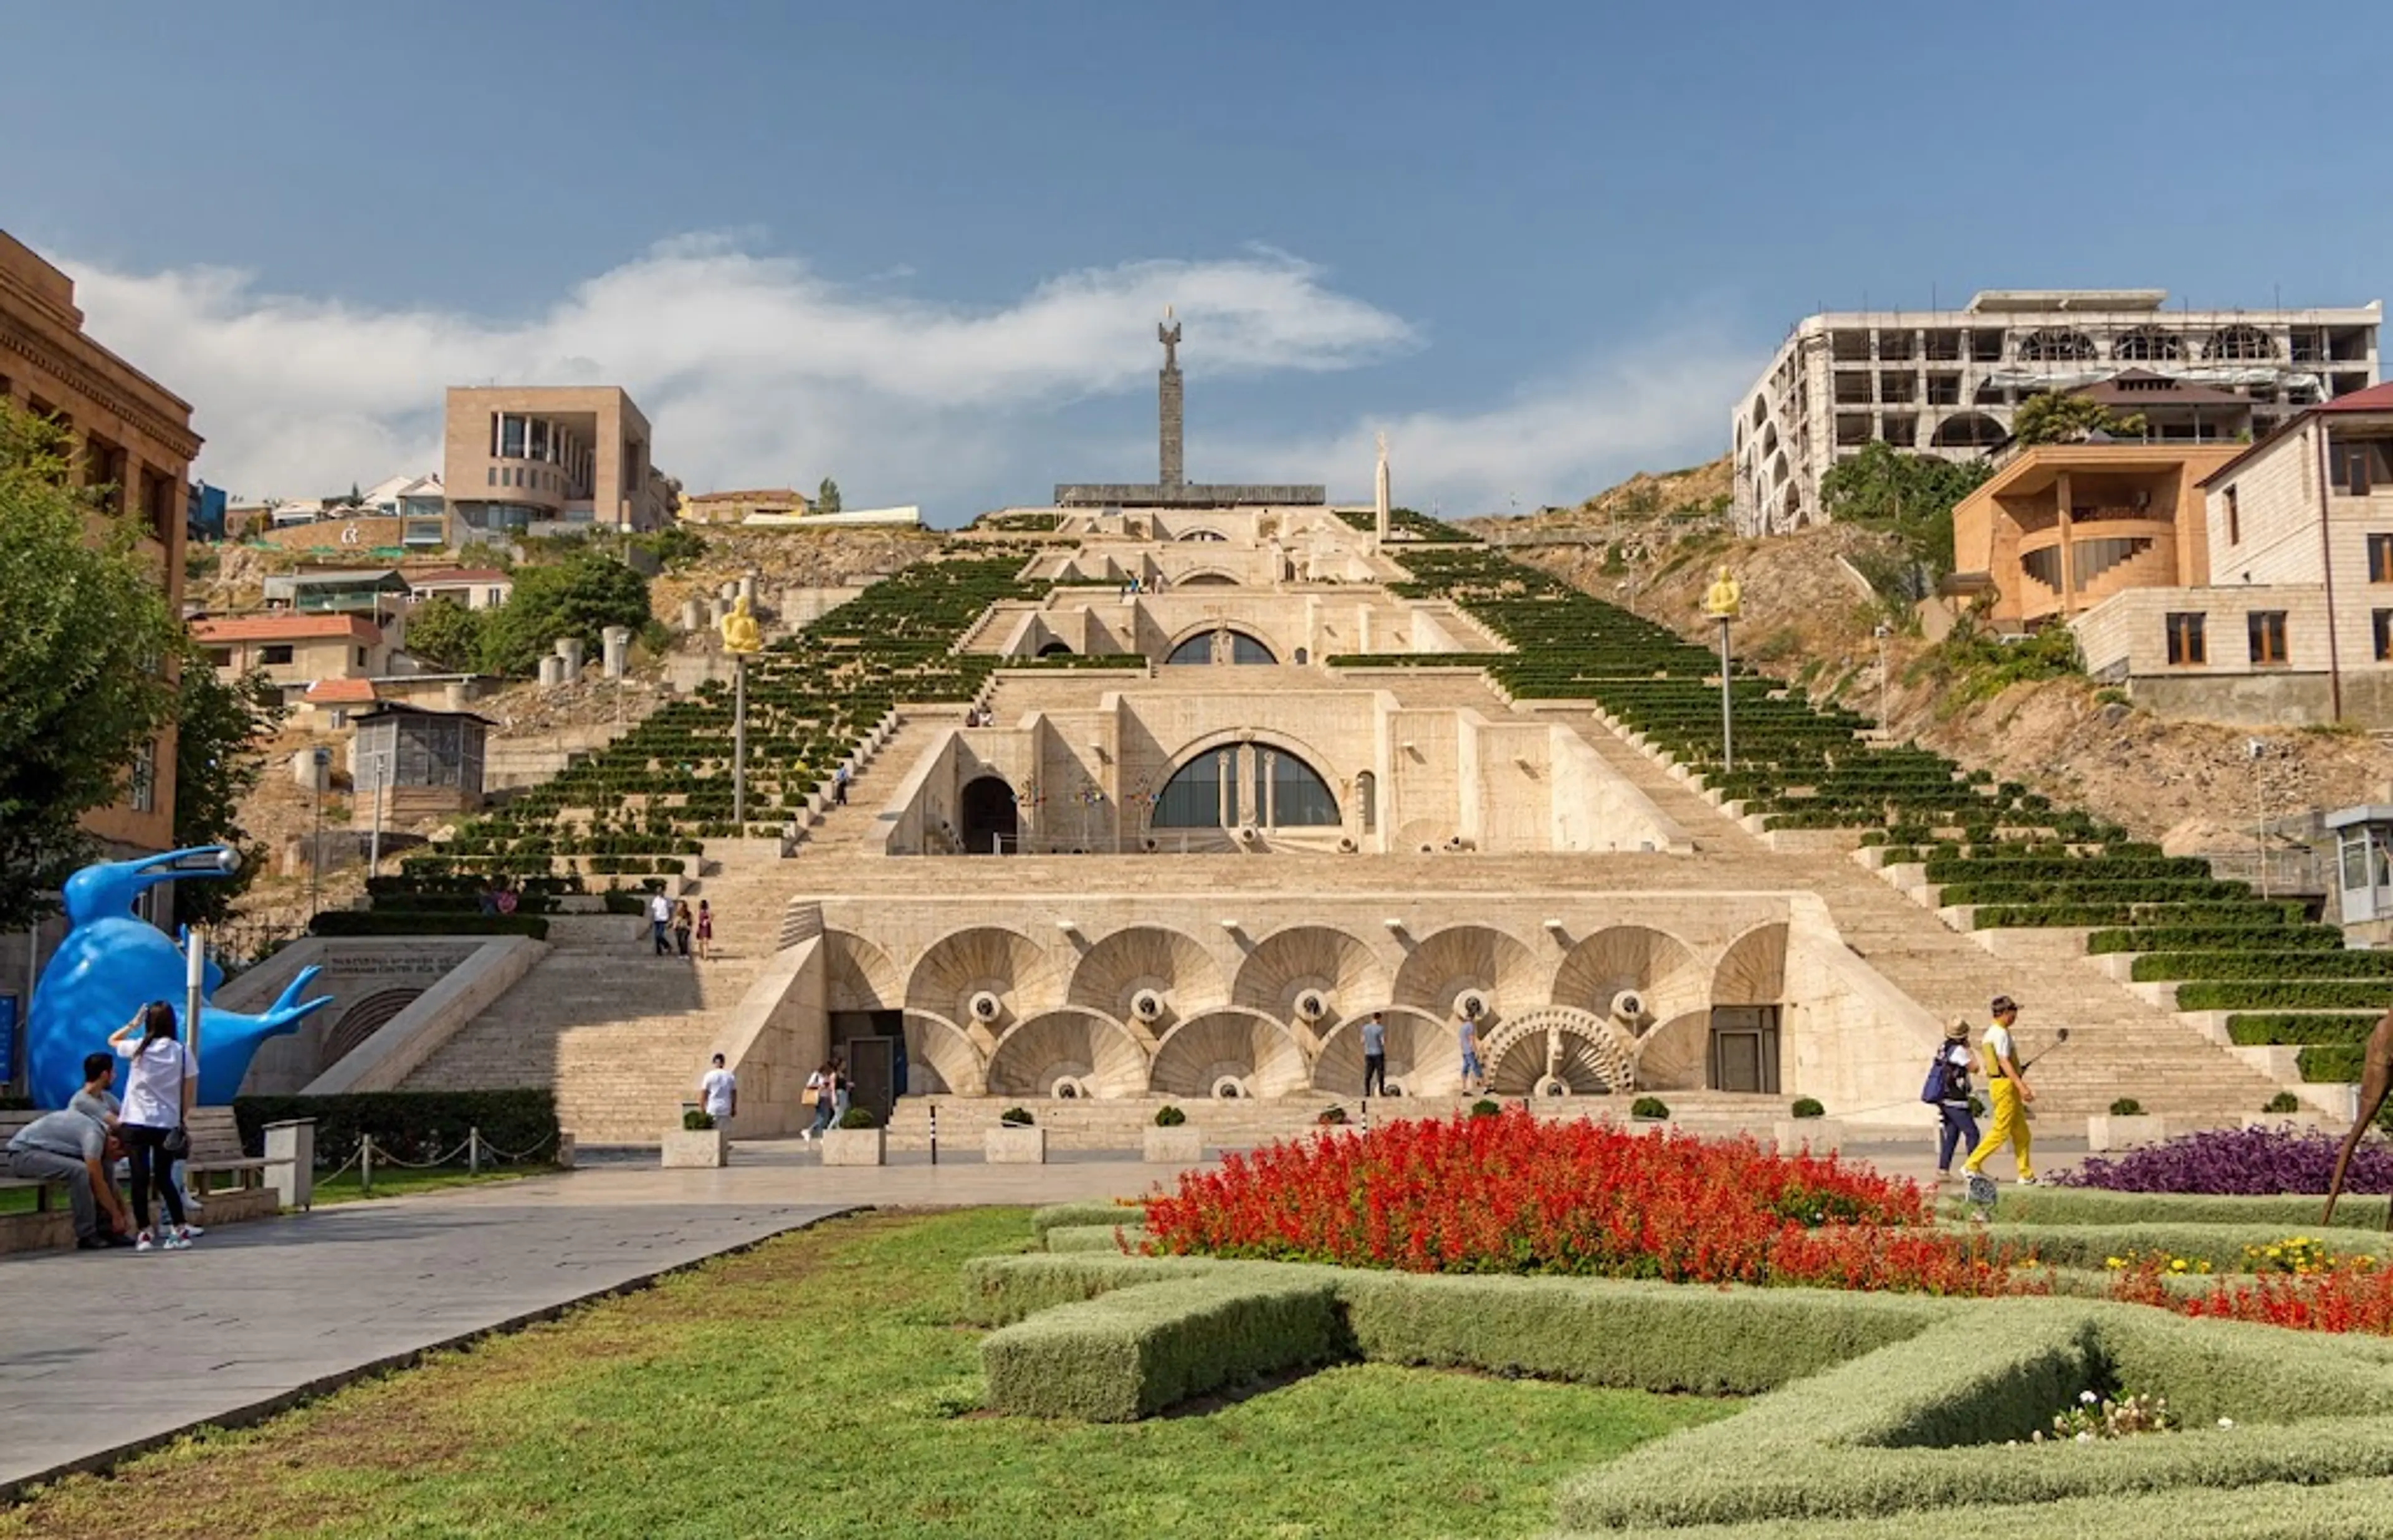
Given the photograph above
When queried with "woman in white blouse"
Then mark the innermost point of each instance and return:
(158, 1085)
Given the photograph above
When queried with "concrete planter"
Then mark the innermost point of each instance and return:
(855, 1146)
(1016, 1146)
(697, 1147)
(1822, 1134)
(2106, 1132)
(1181, 1145)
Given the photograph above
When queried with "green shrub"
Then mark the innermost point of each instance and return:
(1170, 1118)
(2127, 1106)
(1331, 1116)
(2294, 1029)
(1649, 1106)
(1485, 1107)
(2284, 1102)
(2221, 1244)
(697, 1119)
(1016, 1118)
(860, 1117)
(357, 922)
(1806, 1106)
(2097, 1207)
(1058, 1214)
(2285, 995)
(2166, 966)
(411, 1125)
(1094, 1238)
(1130, 1353)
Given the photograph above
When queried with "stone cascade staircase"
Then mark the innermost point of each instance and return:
(2119, 1044)
(1121, 1124)
(856, 829)
(621, 1033)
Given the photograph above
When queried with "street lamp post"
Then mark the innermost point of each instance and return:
(1722, 602)
(2259, 751)
(1885, 678)
(323, 760)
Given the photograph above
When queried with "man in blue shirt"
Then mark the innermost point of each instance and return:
(1375, 1054)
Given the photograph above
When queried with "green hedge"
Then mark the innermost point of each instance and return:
(2346, 1510)
(1054, 1214)
(355, 922)
(2094, 1206)
(2168, 967)
(1094, 1237)
(2290, 1028)
(2220, 1245)
(2331, 1063)
(1127, 1355)
(2266, 931)
(1909, 1426)
(411, 1125)
(2284, 994)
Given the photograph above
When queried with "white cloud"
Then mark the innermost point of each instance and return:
(756, 370)
(752, 369)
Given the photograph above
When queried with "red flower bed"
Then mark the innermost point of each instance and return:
(2343, 1299)
(1516, 1195)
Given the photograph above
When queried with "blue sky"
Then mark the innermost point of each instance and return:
(922, 247)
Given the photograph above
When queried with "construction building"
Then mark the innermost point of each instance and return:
(1946, 383)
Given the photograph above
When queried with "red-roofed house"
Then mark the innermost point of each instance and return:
(475, 587)
(2296, 623)
(295, 650)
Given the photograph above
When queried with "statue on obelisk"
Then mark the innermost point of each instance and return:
(1379, 493)
(1174, 470)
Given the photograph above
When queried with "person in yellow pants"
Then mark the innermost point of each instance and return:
(2009, 1091)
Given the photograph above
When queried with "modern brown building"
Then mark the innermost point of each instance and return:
(530, 459)
(2059, 527)
(133, 440)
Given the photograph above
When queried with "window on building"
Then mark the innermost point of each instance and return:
(510, 438)
(1300, 798)
(2234, 518)
(2380, 559)
(2185, 639)
(141, 789)
(2381, 625)
(219, 657)
(276, 652)
(2359, 465)
(1193, 797)
(362, 657)
(490, 476)
(2266, 628)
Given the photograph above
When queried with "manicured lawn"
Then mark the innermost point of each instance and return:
(392, 1182)
(818, 1386)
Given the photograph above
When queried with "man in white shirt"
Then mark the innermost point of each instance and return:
(719, 1092)
(2007, 1089)
(661, 915)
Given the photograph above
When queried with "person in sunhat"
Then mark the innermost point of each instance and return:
(1959, 1125)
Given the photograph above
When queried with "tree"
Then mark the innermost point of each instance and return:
(827, 497)
(219, 728)
(446, 634)
(1910, 496)
(579, 596)
(86, 632)
(2048, 418)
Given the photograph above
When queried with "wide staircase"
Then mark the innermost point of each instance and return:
(2119, 1044)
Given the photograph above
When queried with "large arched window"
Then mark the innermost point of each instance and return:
(1246, 783)
(1242, 648)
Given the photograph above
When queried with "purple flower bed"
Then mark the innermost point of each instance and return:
(2240, 1161)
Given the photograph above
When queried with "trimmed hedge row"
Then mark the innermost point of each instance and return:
(1057, 1214)
(2345, 1510)
(2166, 966)
(2095, 1205)
(411, 1125)
(2220, 1245)
(2270, 932)
(1095, 1237)
(2285, 995)
(1127, 1355)
(2292, 1029)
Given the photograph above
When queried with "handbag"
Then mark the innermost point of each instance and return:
(808, 1097)
(177, 1143)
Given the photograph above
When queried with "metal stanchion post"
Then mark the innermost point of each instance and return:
(934, 1133)
(474, 1151)
(365, 1163)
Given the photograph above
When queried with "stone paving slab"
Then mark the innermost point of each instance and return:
(105, 1353)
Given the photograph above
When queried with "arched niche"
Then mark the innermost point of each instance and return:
(1113, 971)
(984, 959)
(1196, 1057)
(1098, 1056)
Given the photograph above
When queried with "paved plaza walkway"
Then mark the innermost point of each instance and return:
(105, 1353)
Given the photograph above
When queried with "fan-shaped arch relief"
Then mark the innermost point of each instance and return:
(988, 961)
(1752, 970)
(1317, 960)
(858, 975)
(1095, 1056)
(942, 1059)
(1465, 958)
(1673, 1054)
(1424, 1055)
(1175, 968)
(1661, 971)
(1559, 1045)
(1252, 1052)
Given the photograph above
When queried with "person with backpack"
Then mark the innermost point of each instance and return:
(1947, 1090)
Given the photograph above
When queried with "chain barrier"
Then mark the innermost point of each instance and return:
(507, 1157)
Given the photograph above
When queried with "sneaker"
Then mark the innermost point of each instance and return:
(174, 1241)
(142, 1242)
(190, 1231)
(2028, 1182)
(193, 1202)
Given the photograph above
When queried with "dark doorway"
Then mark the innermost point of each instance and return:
(872, 1070)
(1744, 1048)
(1057, 649)
(989, 819)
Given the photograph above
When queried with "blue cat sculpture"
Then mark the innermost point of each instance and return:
(112, 962)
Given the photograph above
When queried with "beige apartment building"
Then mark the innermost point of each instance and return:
(295, 650)
(2295, 620)
(1946, 383)
(737, 508)
(541, 459)
(133, 438)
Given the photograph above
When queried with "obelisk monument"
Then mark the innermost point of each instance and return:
(1174, 470)
(1379, 493)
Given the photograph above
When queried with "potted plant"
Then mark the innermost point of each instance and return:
(2125, 1125)
(1809, 1128)
(698, 1142)
(1016, 1140)
(856, 1140)
(1173, 1140)
(1649, 1109)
